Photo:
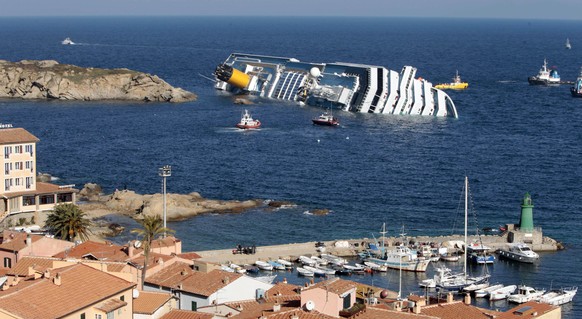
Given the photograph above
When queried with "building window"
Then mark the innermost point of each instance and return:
(18, 149)
(6, 168)
(18, 165)
(65, 198)
(111, 315)
(28, 149)
(98, 316)
(7, 184)
(28, 201)
(83, 315)
(122, 298)
(194, 306)
(46, 199)
(17, 181)
(7, 262)
(7, 151)
(29, 182)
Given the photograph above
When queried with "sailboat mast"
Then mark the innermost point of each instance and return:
(466, 210)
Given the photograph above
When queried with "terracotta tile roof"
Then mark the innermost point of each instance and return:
(454, 310)
(527, 310)
(335, 285)
(44, 299)
(282, 289)
(16, 135)
(169, 241)
(111, 305)
(15, 241)
(301, 314)
(96, 251)
(189, 255)
(205, 284)
(154, 259)
(148, 302)
(171, 276)
(38, 264)
(375, 313)
(185, 314)
(253, 309)
(42, 188)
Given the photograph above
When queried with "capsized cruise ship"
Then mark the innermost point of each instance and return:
(347, 86)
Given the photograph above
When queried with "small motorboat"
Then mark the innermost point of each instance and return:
(519, 252)
(276, 265)
(525, 294)
(247, 122)
(251, 269)
(67, 41)
(316, 271)
(457, 84)
(238, 268)
(263, 265)
(304, 272)
(307, 261)
(286, 263)
(482, 293)
(326, 119)
(559, 296)
(501, 293)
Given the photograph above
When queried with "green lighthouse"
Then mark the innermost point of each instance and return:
(526, 219)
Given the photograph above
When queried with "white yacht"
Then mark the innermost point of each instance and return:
(519, 252)
(67, 41)
(525, 294)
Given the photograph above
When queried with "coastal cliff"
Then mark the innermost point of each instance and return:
(47, 79)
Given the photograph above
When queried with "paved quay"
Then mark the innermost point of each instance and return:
(351, 247)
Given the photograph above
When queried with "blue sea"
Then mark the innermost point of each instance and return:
(510, 137)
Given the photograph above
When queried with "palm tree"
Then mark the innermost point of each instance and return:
(68, 221)
(152, 227)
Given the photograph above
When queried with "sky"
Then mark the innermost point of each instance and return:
(505, 9)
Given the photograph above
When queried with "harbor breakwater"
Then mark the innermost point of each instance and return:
(351, 247)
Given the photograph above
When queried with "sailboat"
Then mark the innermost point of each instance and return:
(445, 280)
(568, 46)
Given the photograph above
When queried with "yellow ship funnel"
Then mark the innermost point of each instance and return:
(232, 76)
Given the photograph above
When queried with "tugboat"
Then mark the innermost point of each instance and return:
(247, 122)
(576, 90)
(545, 76)
(67, 41)
(457, 84)
(326, 119)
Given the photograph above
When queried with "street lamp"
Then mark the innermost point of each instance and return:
(165, 172)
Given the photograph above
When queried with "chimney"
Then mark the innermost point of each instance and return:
(15, 281)
(226, 280)
(47, 273)
(467, 299)
(5, 286)
(294, 316)
(57, 279)
(276, 307)
(312, 281)
(450, 297)
(398, 306)
(130, 250)
(180, 286)
(239, 307)
(183, 272)
(416, 308)
(28, 240)
(284, 280)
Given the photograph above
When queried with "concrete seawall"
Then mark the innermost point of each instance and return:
(351, 247)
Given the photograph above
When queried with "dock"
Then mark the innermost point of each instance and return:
(351, 248)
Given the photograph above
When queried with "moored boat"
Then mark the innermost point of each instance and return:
(478, 254)
(251, 269)
(238, 268)
(285, 263)
(316, 271)
(247, 122)
(307, 261)
(502, 293)
(263, 265)
(519, 252)
(525, 294)
(376, 267)
(276, 265)
(457, 84)
(558, 297)
(304, 272)
(334, 260)
(484, 292)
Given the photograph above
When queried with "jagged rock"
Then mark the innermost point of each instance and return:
(43, 177)
(280, 203)
(116, 229)
(90, 191)
(47, 79)
(320, 211)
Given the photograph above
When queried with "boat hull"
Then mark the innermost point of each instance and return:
(324, 123)
(537, 81)
(516, 257)
(418, 265)
(575, 93)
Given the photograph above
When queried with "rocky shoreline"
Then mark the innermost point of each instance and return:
(133, 205)
(47, 79)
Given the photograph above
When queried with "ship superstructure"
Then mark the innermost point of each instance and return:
(347, 86)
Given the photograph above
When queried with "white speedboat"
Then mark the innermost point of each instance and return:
(67, 41)
(316, 271)
(263, 265)
(334, 260)
(285, 263)
(482, 293)
(307, 261)
(525, 294)
(319, 261)
(427, 283)
(474, 287)
(304, 272)
(238, 269)
(276, 265)
(519, 252)
(328, 271)
(559, 296)
(376, 267)
(502, 293)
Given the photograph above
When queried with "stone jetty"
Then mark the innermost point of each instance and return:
(47, 79)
